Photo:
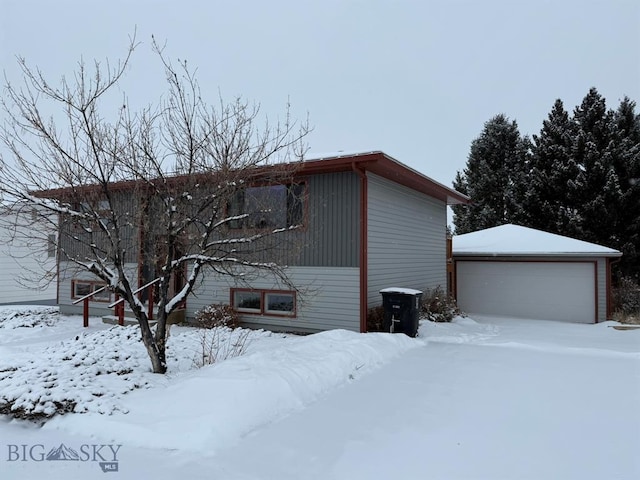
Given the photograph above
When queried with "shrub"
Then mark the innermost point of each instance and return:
(217, 315)
(220, 343)
(437, 306)
(626, 300)
(375, 319)
(220, 335)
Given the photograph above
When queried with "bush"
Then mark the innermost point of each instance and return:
(217, 315)
(437, 306)
(220, 343)
(626, 300)
(375, 319)
(220, 335)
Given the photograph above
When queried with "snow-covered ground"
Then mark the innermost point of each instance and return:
(478, 398)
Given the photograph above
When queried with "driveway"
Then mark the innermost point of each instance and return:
(493, 399)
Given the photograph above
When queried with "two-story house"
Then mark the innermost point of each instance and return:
(367, 222)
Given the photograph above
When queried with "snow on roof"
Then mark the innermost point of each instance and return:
(339, 153)
(516, 240)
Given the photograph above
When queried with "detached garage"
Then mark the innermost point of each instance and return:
(526, 273)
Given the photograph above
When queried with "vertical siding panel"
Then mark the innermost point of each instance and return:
(332, 231)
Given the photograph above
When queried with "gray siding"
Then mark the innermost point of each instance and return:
(329, 299)
(602, 289)
(406, 239)
(74, 240)
(332, 239)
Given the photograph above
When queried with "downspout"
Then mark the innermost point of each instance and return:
(363, 257)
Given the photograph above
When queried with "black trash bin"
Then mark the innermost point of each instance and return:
(401, 310)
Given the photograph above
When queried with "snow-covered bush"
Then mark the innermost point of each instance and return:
(626, 300)
(28, 316)
(217, 315)
(85, 374)
(437, 306)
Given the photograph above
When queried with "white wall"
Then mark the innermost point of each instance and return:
(27, 272)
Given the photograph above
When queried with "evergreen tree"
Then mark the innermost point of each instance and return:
(597, 186)
(493, 177)
(550, 202)
(626, 161)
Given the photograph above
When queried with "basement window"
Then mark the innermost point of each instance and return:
(82, 288)
(264, 302)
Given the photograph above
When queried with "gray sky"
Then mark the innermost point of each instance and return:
(416, 79)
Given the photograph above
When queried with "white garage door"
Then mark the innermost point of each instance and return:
(542, 290)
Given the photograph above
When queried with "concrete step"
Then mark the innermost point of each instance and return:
(113, 320)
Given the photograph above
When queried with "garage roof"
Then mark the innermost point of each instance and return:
(516, 240)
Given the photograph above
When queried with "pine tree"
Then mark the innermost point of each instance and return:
(493, 177)
(597, 186)
(550, 202)
(626, 161)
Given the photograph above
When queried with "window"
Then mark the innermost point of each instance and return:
(100, 208)
(82, 288)
(247, 301)
(268, 206)
(264, 302)
(279, 303)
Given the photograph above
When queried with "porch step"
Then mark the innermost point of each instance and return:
(113, 320)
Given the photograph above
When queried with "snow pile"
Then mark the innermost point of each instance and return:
(217, 405)
(28, 316)
(92, 372)
(459, 330)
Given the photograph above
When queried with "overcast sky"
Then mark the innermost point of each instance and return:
(416, 79)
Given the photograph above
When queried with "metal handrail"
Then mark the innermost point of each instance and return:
(89, 295)
(120, 300)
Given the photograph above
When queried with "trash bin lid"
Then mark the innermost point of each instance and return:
(405, 291)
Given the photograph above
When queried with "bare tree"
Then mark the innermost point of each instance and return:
(160, 195)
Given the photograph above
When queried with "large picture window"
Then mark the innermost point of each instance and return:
(268, 206)
(264, 302)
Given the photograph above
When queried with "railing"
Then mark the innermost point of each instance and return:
(85, 305)
(118, 305)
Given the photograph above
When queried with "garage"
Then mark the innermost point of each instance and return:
(526, 273)
(543, 290)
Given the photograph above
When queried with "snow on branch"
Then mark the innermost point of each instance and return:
(250, 239)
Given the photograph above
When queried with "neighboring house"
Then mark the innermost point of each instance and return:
(369, 222)
(521, 272)
(27, 258)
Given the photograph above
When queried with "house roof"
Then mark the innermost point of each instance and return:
(515, 240)
(381, 164)
(375, 162)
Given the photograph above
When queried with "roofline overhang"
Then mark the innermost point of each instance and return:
(376, 162)
(379, 163)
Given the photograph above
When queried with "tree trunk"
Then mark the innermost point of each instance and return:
(156, 350)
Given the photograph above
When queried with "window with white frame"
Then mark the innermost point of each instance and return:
(264, 302)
